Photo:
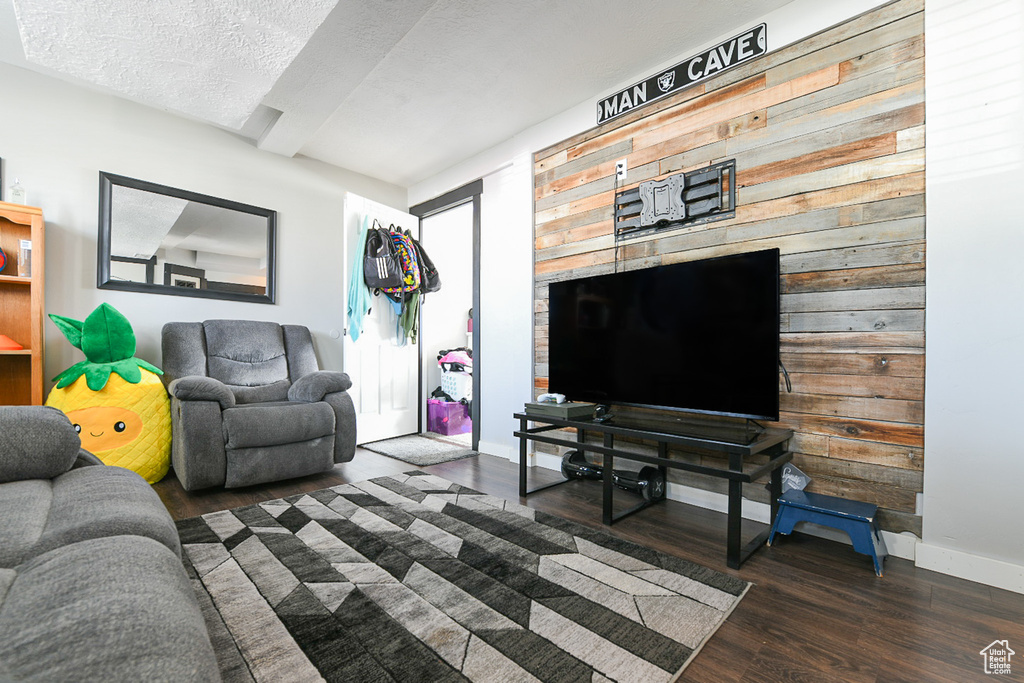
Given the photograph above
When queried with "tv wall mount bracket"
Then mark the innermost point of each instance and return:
(700, 196)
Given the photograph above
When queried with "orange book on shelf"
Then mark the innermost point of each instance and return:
(8, 344)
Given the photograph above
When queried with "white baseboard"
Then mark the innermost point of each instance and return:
(545, 460)
(498, 449)
(709, 500)
(905, 545)
(971, 567)
(898, 545)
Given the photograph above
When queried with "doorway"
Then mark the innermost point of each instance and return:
(449, 318)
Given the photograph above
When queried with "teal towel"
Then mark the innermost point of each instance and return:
(359, 296)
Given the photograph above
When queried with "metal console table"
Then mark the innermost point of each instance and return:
(772, 443)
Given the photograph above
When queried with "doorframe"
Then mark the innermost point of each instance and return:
(470, 192)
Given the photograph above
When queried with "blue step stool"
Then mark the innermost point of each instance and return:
(855, 518)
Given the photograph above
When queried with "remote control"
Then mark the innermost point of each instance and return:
(551, 398)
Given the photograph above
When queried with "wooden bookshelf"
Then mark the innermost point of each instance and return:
(21, 306)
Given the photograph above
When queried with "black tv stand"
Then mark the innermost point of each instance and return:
(736, 447)
(753, 428)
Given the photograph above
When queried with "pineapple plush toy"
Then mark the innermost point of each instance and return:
(116, 402)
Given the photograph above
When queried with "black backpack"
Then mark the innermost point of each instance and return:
(430, 279)
(380, 262)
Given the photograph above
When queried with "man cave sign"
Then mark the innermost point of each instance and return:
(736, 50)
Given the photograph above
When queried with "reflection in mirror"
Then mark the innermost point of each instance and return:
(163, 240)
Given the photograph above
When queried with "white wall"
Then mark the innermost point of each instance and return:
(509, 340)
(973, 509)
(506, 303)
(56, 137)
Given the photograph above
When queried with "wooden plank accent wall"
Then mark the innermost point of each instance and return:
(828, 137)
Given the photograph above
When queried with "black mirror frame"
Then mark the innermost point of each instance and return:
(103, 281)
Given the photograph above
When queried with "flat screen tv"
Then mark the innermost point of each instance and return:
(701, 336)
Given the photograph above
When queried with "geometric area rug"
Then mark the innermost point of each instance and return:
(414, 578)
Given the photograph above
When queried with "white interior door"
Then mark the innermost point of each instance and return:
(385, 376)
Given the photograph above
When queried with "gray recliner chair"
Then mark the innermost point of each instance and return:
(250, 405)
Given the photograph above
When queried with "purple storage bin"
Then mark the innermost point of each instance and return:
(446, 417)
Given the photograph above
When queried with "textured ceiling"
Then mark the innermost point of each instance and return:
(215, 60)
(397, 90)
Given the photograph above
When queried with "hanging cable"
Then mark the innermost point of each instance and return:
(789, 384)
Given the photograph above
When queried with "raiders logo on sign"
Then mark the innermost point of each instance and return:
(744, 47)
(666, 80)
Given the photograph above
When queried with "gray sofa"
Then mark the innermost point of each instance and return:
(249, 404)
(92, 587)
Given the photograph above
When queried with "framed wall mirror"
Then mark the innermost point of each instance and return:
(162, 240)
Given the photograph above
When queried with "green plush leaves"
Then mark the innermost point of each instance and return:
(68, 377)
(128, 369)
(148, 366)
(107, 339)
(72, 329)
(97, 374)
(107, 336)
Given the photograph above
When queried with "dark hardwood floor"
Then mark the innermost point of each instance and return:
(817, 612)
